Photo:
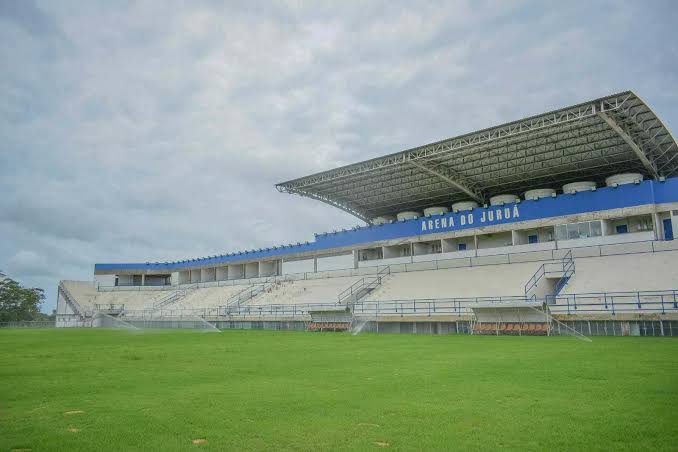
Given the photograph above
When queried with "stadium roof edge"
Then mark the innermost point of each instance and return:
(592, 139)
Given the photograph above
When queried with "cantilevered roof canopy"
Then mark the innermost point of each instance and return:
(589, 141)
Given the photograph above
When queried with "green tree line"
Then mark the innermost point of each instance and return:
(19, 303)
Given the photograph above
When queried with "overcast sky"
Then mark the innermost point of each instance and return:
(152, 131)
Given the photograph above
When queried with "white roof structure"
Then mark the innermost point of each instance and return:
(589, 141)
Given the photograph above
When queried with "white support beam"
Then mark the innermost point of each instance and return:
(451, 177)
(331, 202)
(627, 138)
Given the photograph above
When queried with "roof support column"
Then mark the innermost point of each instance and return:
(627, 138)
(451, 177)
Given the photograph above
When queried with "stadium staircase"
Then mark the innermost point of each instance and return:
(250, 292)
(362, 287)
(70, 300)
(550, 278)
(174, 297)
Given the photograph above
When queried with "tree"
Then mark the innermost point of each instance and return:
(17, 302)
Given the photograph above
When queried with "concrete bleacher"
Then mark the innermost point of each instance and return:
(324, 290)
(642, 271)
(622, 273)
(86, 295)
(464, 282)
(207, 297)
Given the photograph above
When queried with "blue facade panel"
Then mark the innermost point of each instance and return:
(645, 193)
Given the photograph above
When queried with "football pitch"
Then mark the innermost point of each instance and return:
(96, 389)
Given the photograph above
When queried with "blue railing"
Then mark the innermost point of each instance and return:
(564, 268)
(362, 287)
(659, 301)
(611, 303)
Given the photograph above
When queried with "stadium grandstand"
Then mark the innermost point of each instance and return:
(561, 221)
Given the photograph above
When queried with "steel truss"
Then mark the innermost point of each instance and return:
(591, 140)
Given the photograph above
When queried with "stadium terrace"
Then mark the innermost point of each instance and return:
(513, 212)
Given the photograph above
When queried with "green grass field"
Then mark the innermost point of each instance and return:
(259, 390)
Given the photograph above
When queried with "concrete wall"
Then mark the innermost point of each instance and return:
(195, 276)
(268, 268)
(631, 272)
(222, 273)
(301, 266)
(521, 236)
(236, 271)
(156, 280)
(607, 239)
(208, 275)
(370, 254)
(422, 248)
(184, 277)
(335, 262)
(252, 270)
(452, 245)
(499, 239)
(397, 251)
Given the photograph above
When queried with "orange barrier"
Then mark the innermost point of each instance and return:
(511, 329)
(331, 326)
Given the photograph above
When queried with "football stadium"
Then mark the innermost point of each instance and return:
(557, 224)
(522, 259)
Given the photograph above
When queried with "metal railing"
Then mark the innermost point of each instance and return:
(269, 310)
(657, 301)
(109, 308)
(612, 249)
(281, 310)
(29, 324)
(362, 287)
(660, 301)
(250, 292)
(429, 306)
(563, 269)
(175, 296)
(70, 299)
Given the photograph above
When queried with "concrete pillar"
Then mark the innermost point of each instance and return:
(315, 264)
(268, 268)
(208, 274)
(184, 277)
(222, 273)
(195, 276)
(657, 227)
(236, 271)
(607, 227)
(143, 280)
(252, 270)
(355, 258)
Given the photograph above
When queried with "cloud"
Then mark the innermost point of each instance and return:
(29, 262)
(157, 130)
